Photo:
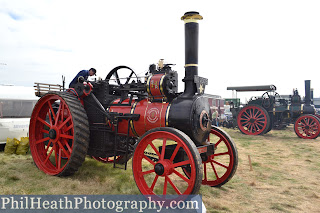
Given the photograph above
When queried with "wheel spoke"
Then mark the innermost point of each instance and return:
(58, 114)
(219, 154)
(256, 115)
(149, 160)
(154, 148)
(175, 152)
(66, 136)
(51, 110)
(128, 79)
(174, 186)
(245, 117)
(55, 153)
(59, 159)
(246, 114)
(67, 145)
(48, 146)
(49, 115)
(154, 182)
(220, 164)
(42, 140)
(68, 128)
(165, 185)
(217, 144)
(182, 163)
(48, 156)
(181, 176)
(163, 148)
(65, 122)
(147, 172)
(44, 131)
(117, 78)
(214, 170)
(44, 122)
(64, 150)
(205, 171)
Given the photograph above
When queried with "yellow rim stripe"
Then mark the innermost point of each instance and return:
(131, 121)
(148, 84)
(160, 86)
(167, 115)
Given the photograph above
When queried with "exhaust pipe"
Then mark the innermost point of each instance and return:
(307, 98)
(191, 51)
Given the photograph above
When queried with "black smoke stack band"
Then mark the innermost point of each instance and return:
(191, 51)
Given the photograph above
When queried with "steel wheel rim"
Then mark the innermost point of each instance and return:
(252, 120)
(170, 167)
(307, 127)
(51, 134)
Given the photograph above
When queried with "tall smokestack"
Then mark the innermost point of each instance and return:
(191, 51)
(311, 96)
(307, 99)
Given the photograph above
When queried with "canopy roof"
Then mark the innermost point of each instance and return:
(253, 88)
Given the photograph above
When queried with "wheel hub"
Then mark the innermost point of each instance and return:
(52, 134)
(163, 167)
(159, 169)
(252, 120)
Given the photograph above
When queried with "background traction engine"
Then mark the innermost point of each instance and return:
(168, 135)
(270, 111)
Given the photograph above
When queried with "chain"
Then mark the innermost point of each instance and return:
(152, 158)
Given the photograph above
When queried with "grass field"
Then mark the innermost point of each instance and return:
(283, 176)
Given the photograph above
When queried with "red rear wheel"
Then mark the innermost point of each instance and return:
(59, 134)
(307, 127)
(158, 160)
(253, 120)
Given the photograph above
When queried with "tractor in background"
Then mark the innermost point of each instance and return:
(271, 111)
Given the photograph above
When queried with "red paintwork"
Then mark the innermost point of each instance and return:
(152, 115)
(142, 172)
(154, 86)
(307, 127)
(60, 149)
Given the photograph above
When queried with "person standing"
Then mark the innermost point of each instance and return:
(214, 117)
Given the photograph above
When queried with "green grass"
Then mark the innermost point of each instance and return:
(284, 177)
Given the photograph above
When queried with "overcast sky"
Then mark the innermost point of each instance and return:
(248, 42)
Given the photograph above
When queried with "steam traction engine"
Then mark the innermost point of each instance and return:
(168, 135)
(270, 111)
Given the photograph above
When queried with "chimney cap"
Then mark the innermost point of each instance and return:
(192, 15)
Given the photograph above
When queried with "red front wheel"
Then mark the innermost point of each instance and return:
(220, 167)
(307, 127)
(58, 134)
(158, 163)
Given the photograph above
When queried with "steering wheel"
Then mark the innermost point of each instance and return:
(276, 95)
(123, 77)
(267, 101)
